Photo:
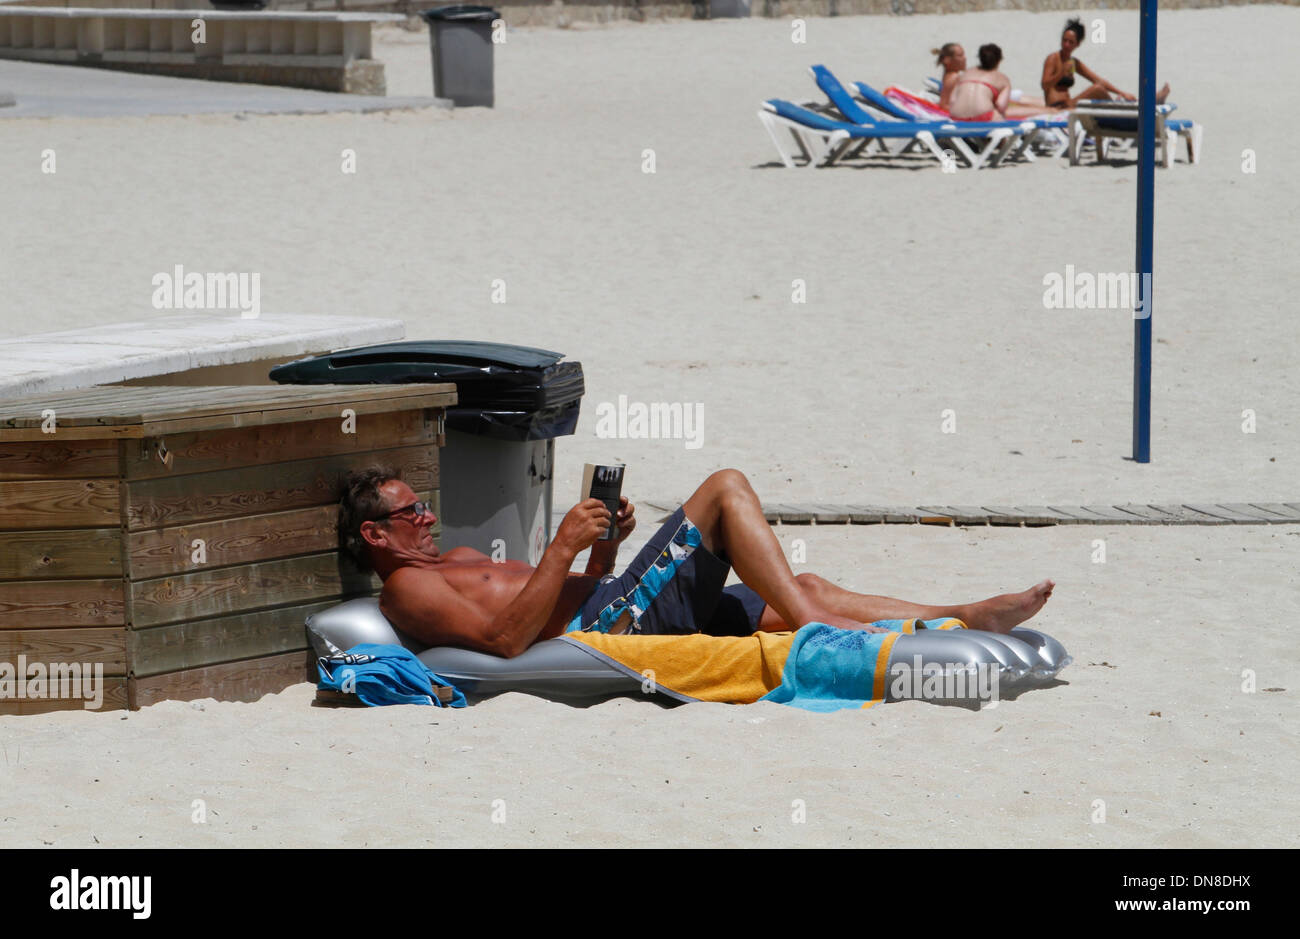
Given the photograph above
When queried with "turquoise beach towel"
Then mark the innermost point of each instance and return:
(830, 669)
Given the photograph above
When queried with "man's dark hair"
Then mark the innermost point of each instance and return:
(990, 56)
(1074, 25)
(361, 501)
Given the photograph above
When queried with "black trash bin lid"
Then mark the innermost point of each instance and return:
(461, 351)
(487, 374)
(461, 12)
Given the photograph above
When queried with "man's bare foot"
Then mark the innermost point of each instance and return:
(1162, 94)
(1001, 613)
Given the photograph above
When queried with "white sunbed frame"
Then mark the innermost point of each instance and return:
(1054, 140)
(1083, 124)
(819, 147)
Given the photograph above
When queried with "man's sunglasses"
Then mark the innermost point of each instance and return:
(420, 508)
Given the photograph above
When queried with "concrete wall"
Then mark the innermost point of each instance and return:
(564, 12)
(326, 50)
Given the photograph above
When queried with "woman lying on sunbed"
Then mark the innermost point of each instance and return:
(1059, 73)
(984, 93)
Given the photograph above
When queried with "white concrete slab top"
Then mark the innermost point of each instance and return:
(80, 358)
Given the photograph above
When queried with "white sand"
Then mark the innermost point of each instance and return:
(1216, 768)
(675, 287)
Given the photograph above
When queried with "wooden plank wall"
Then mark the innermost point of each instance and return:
(188, 563)
(232, 542)
(62, 596)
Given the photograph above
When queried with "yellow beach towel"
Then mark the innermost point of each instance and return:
(730, 669)
(818, 668)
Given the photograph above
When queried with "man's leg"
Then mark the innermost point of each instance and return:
(730, 518)
(996, 614)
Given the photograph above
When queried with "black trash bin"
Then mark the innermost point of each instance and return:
(498, 465)
(460, 38)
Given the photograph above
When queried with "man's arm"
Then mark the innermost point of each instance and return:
(421, 602)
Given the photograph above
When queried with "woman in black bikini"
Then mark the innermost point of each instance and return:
(1059, 73)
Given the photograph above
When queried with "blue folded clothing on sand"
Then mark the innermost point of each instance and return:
(384, 674)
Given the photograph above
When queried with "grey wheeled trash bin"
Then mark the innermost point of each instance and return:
(460, 38)
(498, 464)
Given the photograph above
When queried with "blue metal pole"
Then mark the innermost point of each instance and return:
(1145, 230)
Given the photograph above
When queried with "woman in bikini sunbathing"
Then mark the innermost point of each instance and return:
(1059, 73)
(984, 93)
(951, 57)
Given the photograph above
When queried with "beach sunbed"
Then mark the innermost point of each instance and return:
(813, 130)
(1049, 135)
(998, 134)
(1110, 127)
(1048, 132)
(1026, 131)
(1105, 121)
(824, 141)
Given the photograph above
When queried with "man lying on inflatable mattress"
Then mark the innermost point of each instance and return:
(675, 584)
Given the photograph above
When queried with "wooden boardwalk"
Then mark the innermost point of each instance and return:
(1031, 516)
